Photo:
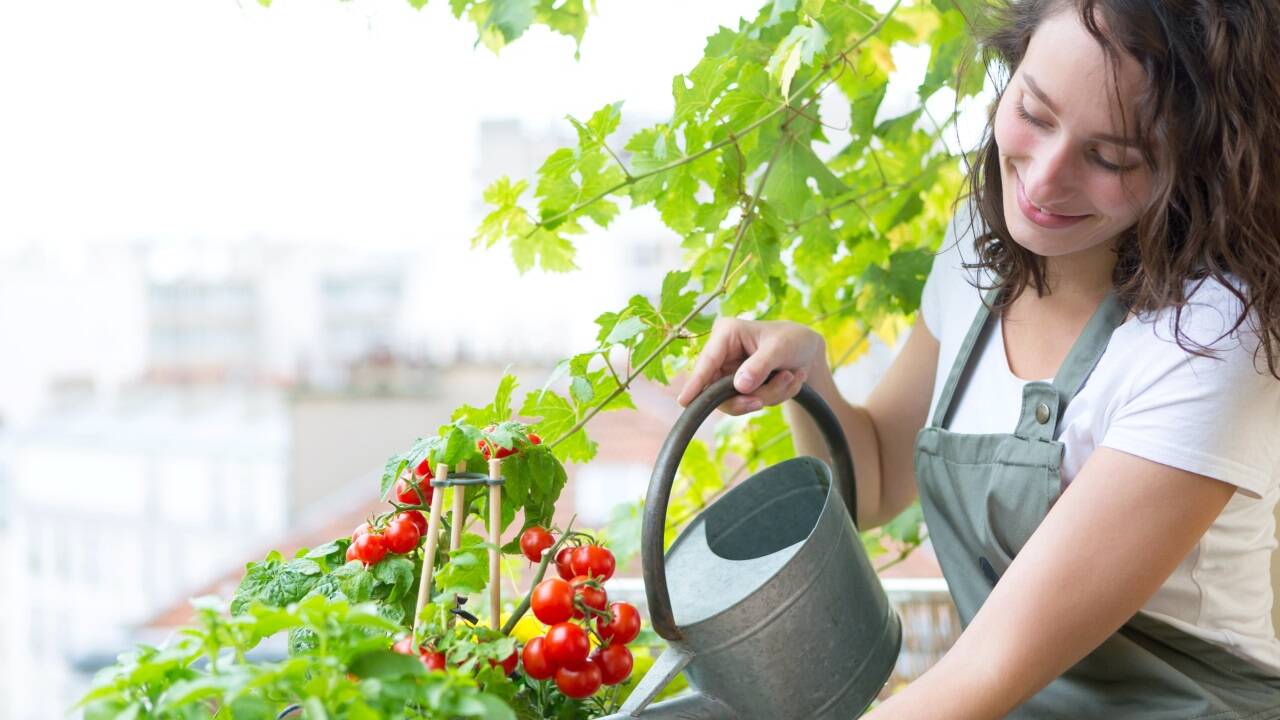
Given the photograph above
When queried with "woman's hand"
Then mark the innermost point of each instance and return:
(752, 350)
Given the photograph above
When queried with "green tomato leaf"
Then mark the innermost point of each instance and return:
(386, 664)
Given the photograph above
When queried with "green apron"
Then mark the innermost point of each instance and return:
(984, 494)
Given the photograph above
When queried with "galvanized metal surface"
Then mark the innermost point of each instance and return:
(767, 584)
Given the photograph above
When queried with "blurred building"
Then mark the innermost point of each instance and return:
(123, 501)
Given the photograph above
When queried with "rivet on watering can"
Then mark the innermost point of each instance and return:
(1042, 413)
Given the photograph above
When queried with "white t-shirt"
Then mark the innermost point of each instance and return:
(1148, 397)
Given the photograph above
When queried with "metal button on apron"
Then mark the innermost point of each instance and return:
(1042, 413)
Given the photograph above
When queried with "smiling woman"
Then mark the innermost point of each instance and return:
(1109, 556)
(1099, 495)
(1133, 147)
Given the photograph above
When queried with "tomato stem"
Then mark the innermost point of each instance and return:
(547, 557)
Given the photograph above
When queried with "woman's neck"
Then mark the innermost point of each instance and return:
(1079, 281)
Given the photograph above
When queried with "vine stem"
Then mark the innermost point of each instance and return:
(674, 334)
(733, 137)
(722, 288)
(547, 558)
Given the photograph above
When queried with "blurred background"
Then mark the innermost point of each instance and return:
(235, 276)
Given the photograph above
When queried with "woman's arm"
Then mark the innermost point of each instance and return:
(1110, 541)
(882, 434)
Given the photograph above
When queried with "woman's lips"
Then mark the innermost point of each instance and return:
(1051, 221)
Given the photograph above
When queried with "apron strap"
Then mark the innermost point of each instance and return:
(1044, 404)
(958, 368)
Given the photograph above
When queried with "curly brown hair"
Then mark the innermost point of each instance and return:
(1208, 120)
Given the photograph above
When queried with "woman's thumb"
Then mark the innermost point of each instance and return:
(753, 372)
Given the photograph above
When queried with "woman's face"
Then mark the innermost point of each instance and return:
(1071, 182)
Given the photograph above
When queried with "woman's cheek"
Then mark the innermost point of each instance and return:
(1013, 136)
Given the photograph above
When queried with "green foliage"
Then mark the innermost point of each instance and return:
(779, 217)
(347, 673)
(779, 213)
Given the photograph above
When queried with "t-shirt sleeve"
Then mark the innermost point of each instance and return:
(946, 266)
(1214, 417)
(931, 298)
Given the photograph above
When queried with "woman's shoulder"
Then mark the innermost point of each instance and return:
(951, 292)
(1212, 317)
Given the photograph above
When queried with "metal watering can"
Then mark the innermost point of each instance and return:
(767, 599)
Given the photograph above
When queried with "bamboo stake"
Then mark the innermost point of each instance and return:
(495, 532)
(429, 558)
(455, 526)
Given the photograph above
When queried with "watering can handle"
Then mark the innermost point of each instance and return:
(664, 473)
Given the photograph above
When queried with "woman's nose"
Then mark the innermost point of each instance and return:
(1050, 179)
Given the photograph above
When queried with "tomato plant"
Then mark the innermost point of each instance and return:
(768, 228)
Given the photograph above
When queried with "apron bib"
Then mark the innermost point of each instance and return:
(984, 494)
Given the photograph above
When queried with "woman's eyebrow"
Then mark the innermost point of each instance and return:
(1042, 97)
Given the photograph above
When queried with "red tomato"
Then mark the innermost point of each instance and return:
(534, 439)
(579, 683)
(536, 663)
(533, 541)
(592, 597)
(625, 625)
(487, 447)
(370, 548)
(562, 562)
(508, 665)
(361, 529)
(615, 663)
(417, 519)
(567, 645)
(402, 535)
(351, 552)
(424, 469)
(552, 601)
(593, 560)
(433, 660)
(404, 646)
(407, 494)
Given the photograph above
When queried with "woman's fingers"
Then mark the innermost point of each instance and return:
(721, 355)
(754, 371)
(783, 386)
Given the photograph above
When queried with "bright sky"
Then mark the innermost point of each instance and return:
(314, 119)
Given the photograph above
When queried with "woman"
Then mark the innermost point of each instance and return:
(1089, 402)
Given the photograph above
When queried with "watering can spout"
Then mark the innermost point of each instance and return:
(692, 706)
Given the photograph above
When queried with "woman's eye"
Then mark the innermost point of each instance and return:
(1107, 165)
(1022, 113)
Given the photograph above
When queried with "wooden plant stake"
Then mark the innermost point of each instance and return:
(495, 542)
(433, 533)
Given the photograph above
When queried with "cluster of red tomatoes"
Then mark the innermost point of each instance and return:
(403, 531)
(569, 604)
(487, 448)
